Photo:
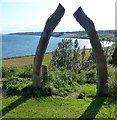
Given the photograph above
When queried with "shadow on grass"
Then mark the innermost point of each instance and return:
(14, 105)
(93, 109)
(25, 93)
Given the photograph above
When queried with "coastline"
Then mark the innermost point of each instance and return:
(103, 34)
(79, 35)
(16, 57)
(60, 36)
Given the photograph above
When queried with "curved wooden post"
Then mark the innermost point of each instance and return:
(88, 25)
(51, 23)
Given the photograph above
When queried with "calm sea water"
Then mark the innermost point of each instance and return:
(23, 45)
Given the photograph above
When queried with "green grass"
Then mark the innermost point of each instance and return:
(24, 60)
(53, 107)
(86, 106)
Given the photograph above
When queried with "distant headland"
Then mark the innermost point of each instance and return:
(103, 34)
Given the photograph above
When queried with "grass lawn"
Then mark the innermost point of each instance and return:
(54, 107)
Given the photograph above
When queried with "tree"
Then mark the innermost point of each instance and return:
(88, 25)
(68, 56)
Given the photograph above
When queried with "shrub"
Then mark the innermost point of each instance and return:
(25, 72)
(87, 90)
(15, 82)
(112, 81)
(88, 75)
(113, 88)
(8, 71)
(60, 81)
(63, 82)
(114, 57)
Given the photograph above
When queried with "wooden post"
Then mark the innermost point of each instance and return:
(45, 72)
(88, 25)
(50, 25)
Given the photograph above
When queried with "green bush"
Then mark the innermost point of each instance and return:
(15, 79)
(88, 75)
(114, 57)
(87, 90)
(8, 71)
(113, 88)
(62, 77)
(112, 81)
(25, 72)
(63, 82)
(60, 81)
(13, 85)
(16, 82)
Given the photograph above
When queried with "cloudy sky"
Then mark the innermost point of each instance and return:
(31, 15)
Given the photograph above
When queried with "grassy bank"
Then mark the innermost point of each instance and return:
(23, 61)
(26, 60)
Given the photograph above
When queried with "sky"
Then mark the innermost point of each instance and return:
(31, 15)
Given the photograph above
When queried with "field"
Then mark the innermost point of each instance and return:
(23, 61)
(65, 94)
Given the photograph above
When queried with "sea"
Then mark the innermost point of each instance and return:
(26, 45)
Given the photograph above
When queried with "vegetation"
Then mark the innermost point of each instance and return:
(72, 74)
(70, 57)
(114, 57)
(23, 61)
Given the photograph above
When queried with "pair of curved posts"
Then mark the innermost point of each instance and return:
(88, 25)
